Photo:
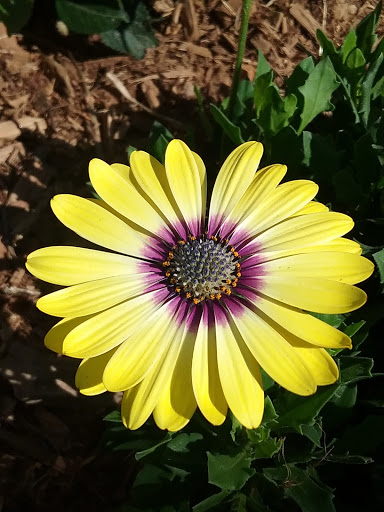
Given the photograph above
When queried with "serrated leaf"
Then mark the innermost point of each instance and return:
(300, 75)
(229, 472)
(143, 453)
(269, 411)
(333, 320)
(313, 432)
(379, 260)
(89, 17)
(353, 368)
(138, 37)
(366, 90)
(296, 411)
(317, 92)
(275, 112)
(232, 131)
(15, 14)
(181, 442)
(355, 59)
(329, 49)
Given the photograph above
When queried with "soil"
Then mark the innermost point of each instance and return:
(59, 108)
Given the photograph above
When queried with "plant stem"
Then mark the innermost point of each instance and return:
(245, 12)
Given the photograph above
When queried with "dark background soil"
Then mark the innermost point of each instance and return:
(58, 110)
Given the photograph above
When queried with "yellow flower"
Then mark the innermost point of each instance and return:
(187, 309)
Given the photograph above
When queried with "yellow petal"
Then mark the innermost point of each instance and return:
(89, 375)
(74, 265)
(336, 266)
(205, 375)
(151, 177)
(203, 181)
(55, 337)
(304, 231)
(97, 225)
(274, 354)
(336, 245)
(123, 170)
(311, 207)
(285, 200)
(234, 177)
(184, 180)
(124, 197)
(177, 402)
(264, 182)
(239, 375)
(320, 363)
(138, 402)
(89, 298)
(136, 356)
(108, 329)
(302, 324)
(314, 294)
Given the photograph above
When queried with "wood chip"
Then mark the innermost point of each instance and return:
(12, 129)
(197, 50)
(305, 18)
(152, 93)
(191, 20)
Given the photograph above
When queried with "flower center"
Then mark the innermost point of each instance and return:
(203, 268)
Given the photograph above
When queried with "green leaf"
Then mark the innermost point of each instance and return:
(379, 260)
(90, 17)
(363, 438)
(345, 396)
(355, 60)
(300, 75)
(313, 432)
(158, 141)
(353, 368)
(262, 83)
(275, 111)
(181, 442)
(317, 92)
(262, 65)
(366, 90)
(308, 494)
(296, 411)
(134, 37)
(229, 472)
(269, 411)
(15, 14)
(349, 44)
(143, 453)
(329, 49)
(213, 501)
(366, 30)
(229, 128)
(333, 320)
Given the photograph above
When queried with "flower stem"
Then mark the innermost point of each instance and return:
(245, 12)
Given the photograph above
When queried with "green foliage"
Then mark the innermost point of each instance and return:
(124, 26)
(15, 14)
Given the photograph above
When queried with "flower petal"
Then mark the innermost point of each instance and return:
(94, 296)
(177, 403)
(184, 180)
(205, 375)
(320, 363)
(314, 294)
(123, 197)
(239, 373)
(203, 183)
(138, 402)
(74, 265)
(284, 201)
(303, 231)
(96, 224)
(89, 375)
(264, 182)
(55, 337)
(274, 354)
(336, 266)
(108, 329)
(150, 176)
(136, 356)
(302, 324)
(232, 181)
(311, 207)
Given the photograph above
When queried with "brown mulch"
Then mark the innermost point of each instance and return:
(59, 108)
